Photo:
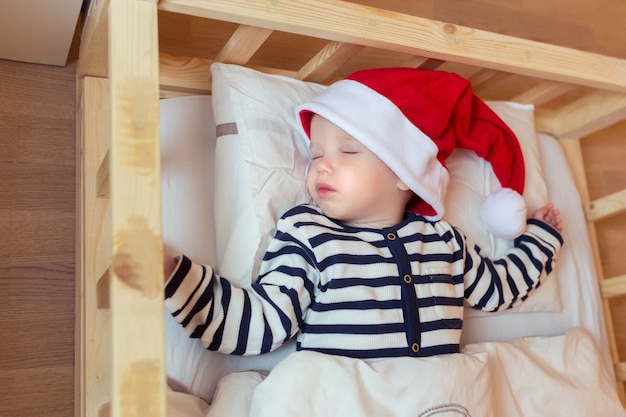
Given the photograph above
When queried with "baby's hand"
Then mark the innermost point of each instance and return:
(550, 215)
(169, 264)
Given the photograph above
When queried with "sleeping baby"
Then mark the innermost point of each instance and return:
(371, 270)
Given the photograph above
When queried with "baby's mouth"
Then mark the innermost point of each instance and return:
(324, 190)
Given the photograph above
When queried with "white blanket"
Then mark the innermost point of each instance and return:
(528, 377)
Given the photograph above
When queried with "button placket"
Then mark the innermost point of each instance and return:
(410, 302)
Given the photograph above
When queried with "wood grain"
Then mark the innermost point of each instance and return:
(136, 285)
(37, 195)
(412, 35)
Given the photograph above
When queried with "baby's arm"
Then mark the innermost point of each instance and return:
(242, 320)
(550, 215)
(537, 249)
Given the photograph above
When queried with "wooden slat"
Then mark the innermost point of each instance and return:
(589, 114)
(465, 71)
(185, 75)
(136, 298)
(543, 93)
(431, 64)
(544, 121)
(416, 62)
(326, 61)
(573, 153)
(103, 294)
(102, 177)
(243, 44)
(79, 257)
(606, 206)
(104, 410)
(93, 241)
(352, 23)
(613, 287)
(620, 371)
(482, 76)
(94, 42)
(485, 80)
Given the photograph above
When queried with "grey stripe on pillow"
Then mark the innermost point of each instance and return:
(226, 129)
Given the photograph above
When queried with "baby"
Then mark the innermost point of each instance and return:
(371, 270)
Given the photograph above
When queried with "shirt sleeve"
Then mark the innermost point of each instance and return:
(251, 320)
(493, 285)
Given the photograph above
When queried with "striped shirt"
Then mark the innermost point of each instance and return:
(364, 293)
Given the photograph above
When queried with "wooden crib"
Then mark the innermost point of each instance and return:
(125, 68)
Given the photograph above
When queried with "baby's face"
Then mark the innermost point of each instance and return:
(349, 182)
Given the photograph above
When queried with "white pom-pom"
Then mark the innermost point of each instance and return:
(503, 213)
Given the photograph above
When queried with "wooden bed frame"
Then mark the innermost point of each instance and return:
(126, 65)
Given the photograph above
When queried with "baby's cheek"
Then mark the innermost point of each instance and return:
(310, 182)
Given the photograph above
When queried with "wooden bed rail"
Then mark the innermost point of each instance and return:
(589, 114)
(93, 341)
(361, 25)
(120, 76)
(613, 287)
(573, 152)
(136, 282)
(606, 206)
(121, 350)
(354, 24)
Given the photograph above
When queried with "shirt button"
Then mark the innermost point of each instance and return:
(407, 278)
(415, 347)
(391, 236)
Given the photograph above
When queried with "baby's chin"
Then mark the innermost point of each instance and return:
(329, 211)
(360, 222)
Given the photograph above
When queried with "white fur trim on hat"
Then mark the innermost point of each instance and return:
(503, 213)
(380, 125)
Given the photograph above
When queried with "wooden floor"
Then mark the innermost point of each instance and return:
(37, 192)
(37, 154)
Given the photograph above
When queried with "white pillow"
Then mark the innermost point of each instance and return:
(187, 157)
(261, 162)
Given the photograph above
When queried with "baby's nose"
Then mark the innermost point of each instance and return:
(323, 164)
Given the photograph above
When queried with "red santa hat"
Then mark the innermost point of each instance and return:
(412, 120)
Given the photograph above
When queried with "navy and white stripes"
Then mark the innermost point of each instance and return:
(364, 293)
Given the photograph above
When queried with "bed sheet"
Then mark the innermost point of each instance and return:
(527, 377)
(188, 140)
